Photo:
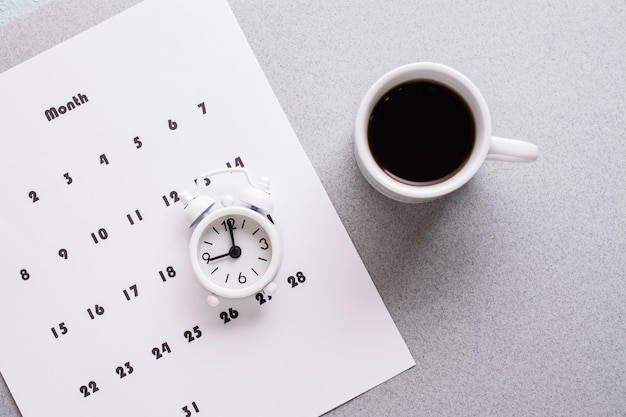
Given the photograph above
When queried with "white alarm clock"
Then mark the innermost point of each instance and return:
(235, 248)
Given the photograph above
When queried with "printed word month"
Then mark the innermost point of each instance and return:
(54, 112)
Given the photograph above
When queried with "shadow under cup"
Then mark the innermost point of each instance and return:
(422, 131)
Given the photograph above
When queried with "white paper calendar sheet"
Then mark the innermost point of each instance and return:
(100, 314)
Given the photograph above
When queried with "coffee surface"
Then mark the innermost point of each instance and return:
(421, 132)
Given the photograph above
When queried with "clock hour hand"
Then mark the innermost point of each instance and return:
(208, 258)
(221, 256)
(234, 252)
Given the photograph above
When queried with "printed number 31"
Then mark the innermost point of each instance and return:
(188, 411)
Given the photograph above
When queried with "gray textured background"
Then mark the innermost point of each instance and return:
(511, 292)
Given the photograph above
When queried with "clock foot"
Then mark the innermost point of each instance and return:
(212, 300)
(271, 288)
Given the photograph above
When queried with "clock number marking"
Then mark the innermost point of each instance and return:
(298, 279)
(102, 234)
(231, 315)
(170, 271)
(172, 124)
(89, 389)
(194, 406)
(62, 330)
(124, 371)
(133, 291)
(130, 217)
(33, 196)
(263, 243)
(158, 353)
(193, 334)
(242, 278)
(138, 142)
(238, 163)
(202, 107)
(173, 197)
(98, 309)
(68, 179)
(24, 274)
(228, 223)
(260, 297)
(63, 253)
(104, 160)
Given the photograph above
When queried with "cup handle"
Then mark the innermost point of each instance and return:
(512, 150)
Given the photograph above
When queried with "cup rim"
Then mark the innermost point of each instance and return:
(445, 75)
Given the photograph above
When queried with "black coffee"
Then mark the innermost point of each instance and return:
(421, 132)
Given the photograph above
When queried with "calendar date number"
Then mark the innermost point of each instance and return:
(296, 280)
(59, 330)
(228, 316)
(262, 298)
(100, 235)
(171, 198)
(238, 163)
(24, 274)
(189, 409)
(169, 272)
(98, 310)
(159, 352)
(33, 196)
(89, 389)
(124, 371)
(193, 334)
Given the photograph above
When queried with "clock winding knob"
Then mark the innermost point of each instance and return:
(212, 300)
(271, 288)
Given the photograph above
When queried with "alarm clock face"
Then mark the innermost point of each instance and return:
(234, 252)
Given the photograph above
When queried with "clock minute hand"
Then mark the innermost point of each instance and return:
(231, 227)
(235, 251)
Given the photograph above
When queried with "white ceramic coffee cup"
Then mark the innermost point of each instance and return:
(486, 146)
